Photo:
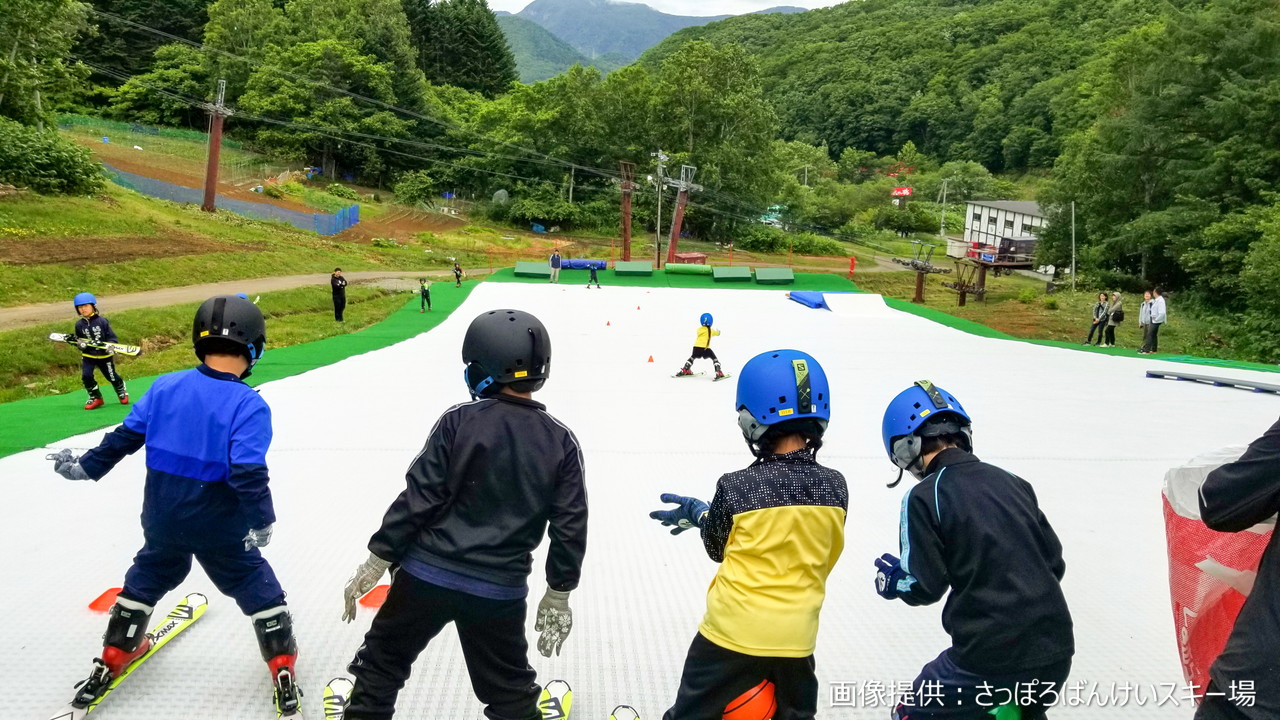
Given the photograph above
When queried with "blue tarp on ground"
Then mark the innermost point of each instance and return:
(809, 298)
(323, 223)
(583, 264)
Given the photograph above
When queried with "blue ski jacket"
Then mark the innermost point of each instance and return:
(206, 434)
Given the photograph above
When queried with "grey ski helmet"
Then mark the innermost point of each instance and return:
(506, 347)
(229, 324)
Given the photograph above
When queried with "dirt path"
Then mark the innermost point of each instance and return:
(24, 315)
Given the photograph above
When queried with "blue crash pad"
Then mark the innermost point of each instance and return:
(809, 298)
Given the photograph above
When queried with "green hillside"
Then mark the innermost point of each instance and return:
(541, 55)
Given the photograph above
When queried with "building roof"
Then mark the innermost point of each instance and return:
(1026, 207)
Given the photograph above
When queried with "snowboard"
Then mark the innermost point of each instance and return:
(178, 619)
(556, 700)
(117, 348)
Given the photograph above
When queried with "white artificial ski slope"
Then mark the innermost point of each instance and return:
(1090, 432)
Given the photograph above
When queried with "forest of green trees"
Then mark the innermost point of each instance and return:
(1158, 119)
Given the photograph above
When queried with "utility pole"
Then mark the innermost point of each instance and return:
(942, 221)
(571, 171)
(628, 172)
(1073, 246)
(657, 230)
(217, 111)
(684, 185)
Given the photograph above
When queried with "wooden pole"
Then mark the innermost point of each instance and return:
(919, 298)
(215, 149)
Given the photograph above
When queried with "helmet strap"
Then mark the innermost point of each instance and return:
(894, 484)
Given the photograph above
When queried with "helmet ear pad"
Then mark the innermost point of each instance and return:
(479, 380)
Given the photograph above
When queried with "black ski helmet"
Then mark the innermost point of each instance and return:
(229, 324)
(506, 347)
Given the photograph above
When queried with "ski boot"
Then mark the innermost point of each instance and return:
(94, 403)
(125, 641)
(683, 371)
(274, 628)
(719, 375)
(124, 398)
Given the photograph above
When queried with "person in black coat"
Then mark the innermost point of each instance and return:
(339, 286)
(1244, 682)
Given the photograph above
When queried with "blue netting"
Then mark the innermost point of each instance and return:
(322, 223)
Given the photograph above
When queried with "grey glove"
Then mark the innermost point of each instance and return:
(260, 537)
(66, 464)
(361, 582)
(555, 620)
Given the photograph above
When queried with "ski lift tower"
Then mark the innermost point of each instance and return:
(922, 263)
(628, 185)
(684, 185)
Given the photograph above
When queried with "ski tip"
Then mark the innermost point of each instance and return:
(624, 712)
(556, 701)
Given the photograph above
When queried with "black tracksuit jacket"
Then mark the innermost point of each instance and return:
(495, 475)
(978, 530)
(1235, 497)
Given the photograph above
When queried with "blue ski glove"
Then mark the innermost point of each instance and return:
(690, 514)
(68, 465)
(259, 537)
(888, 572)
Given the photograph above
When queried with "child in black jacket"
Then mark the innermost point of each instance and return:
(495, 476)
(977, 531)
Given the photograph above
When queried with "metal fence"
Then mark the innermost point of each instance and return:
(322, 223)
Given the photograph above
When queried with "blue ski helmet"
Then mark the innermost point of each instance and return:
(85, 299)
(779, 386)
(922, 410)
(705, 319)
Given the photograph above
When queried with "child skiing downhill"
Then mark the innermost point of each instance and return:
(702, 347)
(206, 433)
(979, 531)
(91, 331)
(495, 475)
(777, 530)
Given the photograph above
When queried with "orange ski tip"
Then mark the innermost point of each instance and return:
(104, 601)
(375, 597)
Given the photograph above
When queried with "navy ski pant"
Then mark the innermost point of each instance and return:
(108, 368)
(238, 573)
(946, 691)
(714, 676)
(492, 635)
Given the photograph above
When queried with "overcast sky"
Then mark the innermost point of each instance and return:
(690, 7)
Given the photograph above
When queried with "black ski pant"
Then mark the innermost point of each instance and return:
(1217, 705)
(425, 301)
(339, 304)
(1111, 335)
(492, 634)
(108, 368)
(714, 676)
(946, 691)
(702, 352)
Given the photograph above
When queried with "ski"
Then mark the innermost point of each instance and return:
(178, 619)
(117, 348)
(336, 696)
(624, 712)
(556, 700)
(725, 376)
(697, 374)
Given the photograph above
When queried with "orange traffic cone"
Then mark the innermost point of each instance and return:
(650, 358)
(607, 323)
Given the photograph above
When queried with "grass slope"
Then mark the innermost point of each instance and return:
(39, 421)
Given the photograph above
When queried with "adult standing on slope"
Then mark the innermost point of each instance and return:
(339, 286)
(555, 265)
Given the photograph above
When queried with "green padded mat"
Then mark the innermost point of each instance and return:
(533, 269)
(633, 268)
(738, 273)
(774, 276)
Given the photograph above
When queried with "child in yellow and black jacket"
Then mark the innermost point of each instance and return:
(702, 347)
(777, 530)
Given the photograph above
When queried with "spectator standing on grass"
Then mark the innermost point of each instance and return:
(1144, 317)
(555, 265)
(1115, 316)
(1099, 319)
(339, 286)
(1158, 318)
